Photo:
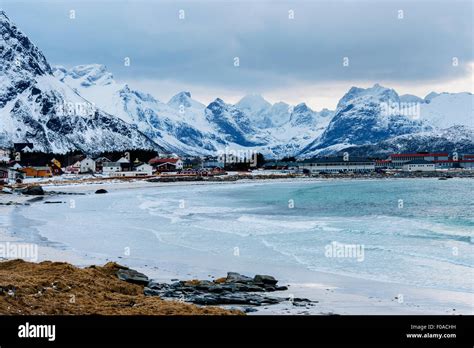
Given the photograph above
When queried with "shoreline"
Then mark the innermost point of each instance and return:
(234, 177)
(336, 294)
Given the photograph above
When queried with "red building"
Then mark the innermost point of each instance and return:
(166, 164)
(399, 159)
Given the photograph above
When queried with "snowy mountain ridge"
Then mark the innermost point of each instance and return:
(83, 108)
(38, 108)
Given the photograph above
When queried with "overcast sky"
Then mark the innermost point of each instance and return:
(293, 60)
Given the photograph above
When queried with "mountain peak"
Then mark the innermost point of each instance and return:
(253, 103)
(431, 96)
(3, 17)
(301, 107)
(184, 99)
(21, 62)
(35, 105)
(88, 75)
(410, 98)
(18, 52)
(375, 93)
(219, 101)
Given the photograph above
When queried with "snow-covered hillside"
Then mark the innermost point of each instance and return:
(449, 109)
(38, 108)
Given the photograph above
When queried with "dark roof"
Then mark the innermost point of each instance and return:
(337, 159)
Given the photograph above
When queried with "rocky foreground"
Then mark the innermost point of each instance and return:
(52, 288)
(235, 289)
(56, 288)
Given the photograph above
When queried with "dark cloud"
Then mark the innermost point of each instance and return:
(273, 50)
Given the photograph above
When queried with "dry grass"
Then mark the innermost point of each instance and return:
(55, 288)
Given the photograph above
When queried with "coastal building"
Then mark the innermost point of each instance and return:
(123, 160)
(275, 165)
(399, 159)
(418, 165)
(87, 165)
(282, 166)
(74, 168)
(337, 165)
(37, 172)
(383, 164)
(455, 164)
(128, 174)
(111, 167)
(99, 163)
(125, 164)
(55, 166)
(212, 162)
(192, 163)
(467, 164)
(15, 166)
(145, 169)
(166, 164)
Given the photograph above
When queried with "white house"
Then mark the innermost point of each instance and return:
(123, 160)
(87, 165)
(144, 168)
(16, 166)
(111, 167)
(418, 166)
(179, 164)
(74, 168)
(336, 165)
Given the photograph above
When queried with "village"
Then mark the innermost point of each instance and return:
(22, 164)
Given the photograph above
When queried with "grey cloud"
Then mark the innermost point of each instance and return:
(273, 50)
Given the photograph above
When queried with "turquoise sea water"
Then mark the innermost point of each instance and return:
(426, 239)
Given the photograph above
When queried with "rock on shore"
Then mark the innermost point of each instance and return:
(235, 289)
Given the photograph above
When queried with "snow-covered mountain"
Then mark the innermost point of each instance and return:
(186, 126)
(178, 126)
(370, 116)
(453, 139)
(39, 104)
(362, 125)
(36, 107)
(233, 124)
(448, 109)
(256, 106)
(300, 129)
